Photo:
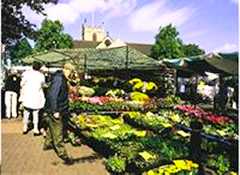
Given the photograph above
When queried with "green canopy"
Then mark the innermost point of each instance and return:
(95, 59)
(223, 63)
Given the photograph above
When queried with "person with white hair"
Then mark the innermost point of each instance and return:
(12, 88)
(32, 96)
(57, 108)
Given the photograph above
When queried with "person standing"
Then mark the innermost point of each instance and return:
(57, 108)
(12, 88)
(32, 96)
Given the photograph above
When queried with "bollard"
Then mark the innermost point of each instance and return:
(195, 145)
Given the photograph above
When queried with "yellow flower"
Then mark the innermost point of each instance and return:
(175, 118)
(183, 134)
(233, 173)
(135, 80)
(146, 155)
(151, 172)
(140, 133)
(181, 164)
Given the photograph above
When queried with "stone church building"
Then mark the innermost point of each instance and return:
(97, 37)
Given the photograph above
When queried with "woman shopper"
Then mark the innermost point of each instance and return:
(32, 96)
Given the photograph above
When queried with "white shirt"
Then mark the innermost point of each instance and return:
(32, 95)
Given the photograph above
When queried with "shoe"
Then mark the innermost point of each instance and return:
(68, 161)
(25, 132)
(36, 134)
(48, 147)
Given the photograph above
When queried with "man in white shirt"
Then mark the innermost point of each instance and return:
(32, 96)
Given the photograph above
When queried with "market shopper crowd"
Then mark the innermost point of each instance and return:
(50, 108)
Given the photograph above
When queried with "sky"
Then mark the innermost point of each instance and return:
(211, 24)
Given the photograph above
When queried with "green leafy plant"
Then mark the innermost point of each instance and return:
(170, 101)
(220, 163)
(116, 164)
(86, 91)
(115, 93)
(110, 106)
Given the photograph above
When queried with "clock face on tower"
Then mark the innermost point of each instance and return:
(107, 42)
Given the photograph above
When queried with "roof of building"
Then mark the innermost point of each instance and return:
(85, 44)
(95, 59)
(144, 48)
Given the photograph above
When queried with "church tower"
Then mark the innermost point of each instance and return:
(92, 33)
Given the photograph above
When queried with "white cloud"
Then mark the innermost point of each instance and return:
(235, 1)
(120, 8)
(153, 15)
(69, 12)
(227, 47)
(194, 34)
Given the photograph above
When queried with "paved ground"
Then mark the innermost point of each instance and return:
(23, 155)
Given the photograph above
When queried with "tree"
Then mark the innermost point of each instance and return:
(20, 50)
(167, 44)
(14, 23)
(51, 36)
(192, 50)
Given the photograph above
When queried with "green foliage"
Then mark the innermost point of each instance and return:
(129, 145)
(219, 162)
(168, 149)
(20, 50)
(86, 91)
(116, 164)
(192, 50)
(14, 23)
(167, 44)
(171, 101)
(115, 93)
(51, 36)
(111, 106)
(149, 120)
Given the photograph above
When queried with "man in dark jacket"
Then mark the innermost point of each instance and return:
(57, 108)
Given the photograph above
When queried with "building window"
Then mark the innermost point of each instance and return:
(94, 37)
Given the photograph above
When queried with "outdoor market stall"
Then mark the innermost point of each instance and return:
(136, 131)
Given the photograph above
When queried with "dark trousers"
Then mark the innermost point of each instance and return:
(55, 131)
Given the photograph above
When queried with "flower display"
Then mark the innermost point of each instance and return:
(203, 115)
(115, 93)
(142, 86)
(86, 91)
(99, 100)
(140, 97)
(178, 167)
